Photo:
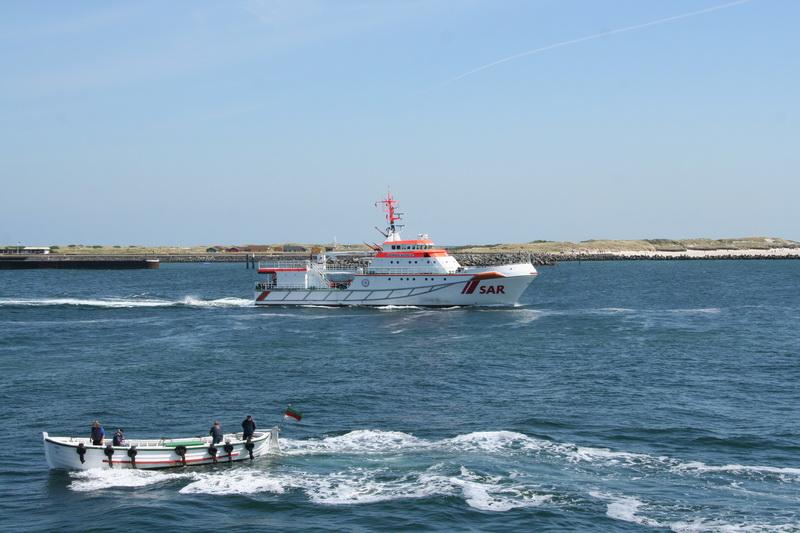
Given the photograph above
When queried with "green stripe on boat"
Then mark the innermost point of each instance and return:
(174, 443)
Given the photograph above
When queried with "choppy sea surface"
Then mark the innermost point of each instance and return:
(619, 396)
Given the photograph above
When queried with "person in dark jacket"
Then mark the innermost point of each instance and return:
(119, 438)
(98, 433)
(216, 432)
(248, 427)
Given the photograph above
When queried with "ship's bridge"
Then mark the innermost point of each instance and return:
(417, 256)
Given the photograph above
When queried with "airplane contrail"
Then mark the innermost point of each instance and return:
(596, 36)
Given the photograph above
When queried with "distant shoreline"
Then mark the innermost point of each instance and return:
(539, 252)
(465, 258)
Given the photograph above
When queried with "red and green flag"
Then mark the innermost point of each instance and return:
(293, 413)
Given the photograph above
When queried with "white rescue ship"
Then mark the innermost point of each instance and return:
(400, 272)
(76, 453)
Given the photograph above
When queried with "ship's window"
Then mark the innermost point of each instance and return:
(414, 261)
(413, 279)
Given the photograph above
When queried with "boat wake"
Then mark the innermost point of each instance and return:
(630, 509)
(122, 303)
(99, 479)
(511, 443)
(364, 485)
(491, 471)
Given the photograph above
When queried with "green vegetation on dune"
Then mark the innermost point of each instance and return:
(649, 245)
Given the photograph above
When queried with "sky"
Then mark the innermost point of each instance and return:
(247, 121)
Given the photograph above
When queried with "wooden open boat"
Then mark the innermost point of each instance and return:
(77, 453)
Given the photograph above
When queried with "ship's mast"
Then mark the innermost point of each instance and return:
(392, 216)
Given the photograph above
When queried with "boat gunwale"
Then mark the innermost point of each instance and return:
(81, 440)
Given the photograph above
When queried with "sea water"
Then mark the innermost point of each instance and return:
(617, 396)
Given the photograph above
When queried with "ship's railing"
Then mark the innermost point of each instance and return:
(404, 270)
(263, 286)
(354, 271)
(283, 264)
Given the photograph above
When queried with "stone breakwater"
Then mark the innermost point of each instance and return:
(466, 259)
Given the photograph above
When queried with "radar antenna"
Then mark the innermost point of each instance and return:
(392, 215)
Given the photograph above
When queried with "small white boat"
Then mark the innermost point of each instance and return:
(77, 453)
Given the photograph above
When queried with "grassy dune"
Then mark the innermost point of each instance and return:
(649, 245)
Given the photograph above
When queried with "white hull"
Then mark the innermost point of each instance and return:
(490, 286)
(62, 452)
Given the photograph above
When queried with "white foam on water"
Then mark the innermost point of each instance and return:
(239, 482)
(219, 302)
(89, 302)
(511, 443)
(526, 316)
(360, 486)
(99, 479)
(494, 441)
(702, 310)
(590, 454)
(359, 441)
(486, 493)
(629, 509)
(785, 473)
(719, 526)
(397, 307)
(625, 508)
(114, 303)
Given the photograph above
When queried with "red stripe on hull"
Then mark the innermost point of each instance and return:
(172, 462)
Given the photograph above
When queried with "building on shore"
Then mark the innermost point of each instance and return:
(32, 250)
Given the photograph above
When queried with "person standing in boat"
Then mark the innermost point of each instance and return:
(248, 427)
(98, 433)
(216, 432)
(119, 438)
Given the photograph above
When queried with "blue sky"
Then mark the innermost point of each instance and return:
(267, 121)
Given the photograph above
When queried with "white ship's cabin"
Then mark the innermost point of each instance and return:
(288, 274)
(417, 256)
